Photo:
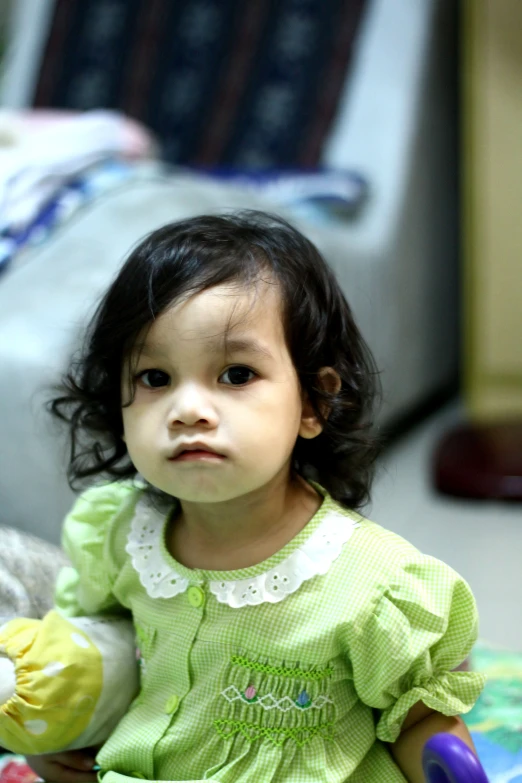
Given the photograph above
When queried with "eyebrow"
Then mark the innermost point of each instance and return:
(231, 345)
(248, 345)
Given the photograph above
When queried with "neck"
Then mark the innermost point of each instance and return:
(243, 531)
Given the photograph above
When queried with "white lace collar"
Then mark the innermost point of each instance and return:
(164, 579)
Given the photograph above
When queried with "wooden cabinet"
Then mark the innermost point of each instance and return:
(492, 198)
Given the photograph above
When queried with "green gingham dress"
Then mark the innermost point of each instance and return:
(296, 670)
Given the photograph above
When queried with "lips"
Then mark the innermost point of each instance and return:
(208, 457)
(194, 451)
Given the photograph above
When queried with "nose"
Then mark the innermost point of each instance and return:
(190, 405)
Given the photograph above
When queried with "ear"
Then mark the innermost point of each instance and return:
(311, 427)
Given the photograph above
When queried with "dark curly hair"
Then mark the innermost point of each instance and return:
(185, 258)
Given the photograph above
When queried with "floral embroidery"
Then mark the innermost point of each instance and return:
(250, 694)
(252, 732)
(303, 700)
(271, 702)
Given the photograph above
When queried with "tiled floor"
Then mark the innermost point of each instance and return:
(481, 540)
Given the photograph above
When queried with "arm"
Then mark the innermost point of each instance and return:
(83, 589)
(73, 766)
(420, 724)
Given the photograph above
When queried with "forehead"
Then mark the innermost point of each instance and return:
(205, 318)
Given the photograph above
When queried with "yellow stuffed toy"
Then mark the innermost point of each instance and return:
(64, 683)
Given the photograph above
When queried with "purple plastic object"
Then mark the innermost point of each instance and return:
(446, 759)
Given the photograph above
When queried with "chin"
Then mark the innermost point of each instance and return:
(195, 489)
(203, 489)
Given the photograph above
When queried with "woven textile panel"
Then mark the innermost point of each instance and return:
(253, 83)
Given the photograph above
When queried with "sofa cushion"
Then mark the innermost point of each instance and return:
(222, 81)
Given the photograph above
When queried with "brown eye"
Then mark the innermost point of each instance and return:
(153, 379)
(239, 375)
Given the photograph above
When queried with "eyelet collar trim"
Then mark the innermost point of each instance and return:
(312, 557)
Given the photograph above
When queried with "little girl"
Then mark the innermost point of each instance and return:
(227, 392)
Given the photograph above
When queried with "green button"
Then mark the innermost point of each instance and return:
(196, 597)
(172, 705)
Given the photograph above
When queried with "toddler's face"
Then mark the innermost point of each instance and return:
(246, 405)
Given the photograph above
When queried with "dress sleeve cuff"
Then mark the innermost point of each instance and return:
(452, 693)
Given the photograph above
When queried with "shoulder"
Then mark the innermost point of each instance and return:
(100, 517)
(99, 505)
(378, 551)
(365, 540)
(93, 537)
(107, 495)
(397, 560)
(377, 565)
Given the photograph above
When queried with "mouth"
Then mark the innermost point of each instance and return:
(197, 455)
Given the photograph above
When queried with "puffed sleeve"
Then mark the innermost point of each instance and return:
(89, 539)
(422, 626)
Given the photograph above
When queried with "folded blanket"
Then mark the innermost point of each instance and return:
(319, 194)
(42, 151)
(70, 196)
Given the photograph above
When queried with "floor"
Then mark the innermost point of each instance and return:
(481, 540)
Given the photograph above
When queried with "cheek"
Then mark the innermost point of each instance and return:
(271, 423)
(133, 423)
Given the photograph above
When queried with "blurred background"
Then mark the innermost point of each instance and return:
(388, 131)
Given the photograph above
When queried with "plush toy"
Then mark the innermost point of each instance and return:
(64, 682)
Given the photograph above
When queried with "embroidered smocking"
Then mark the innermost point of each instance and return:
(252, 732)
(282, 671)
(270, 702)
(312, 558)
